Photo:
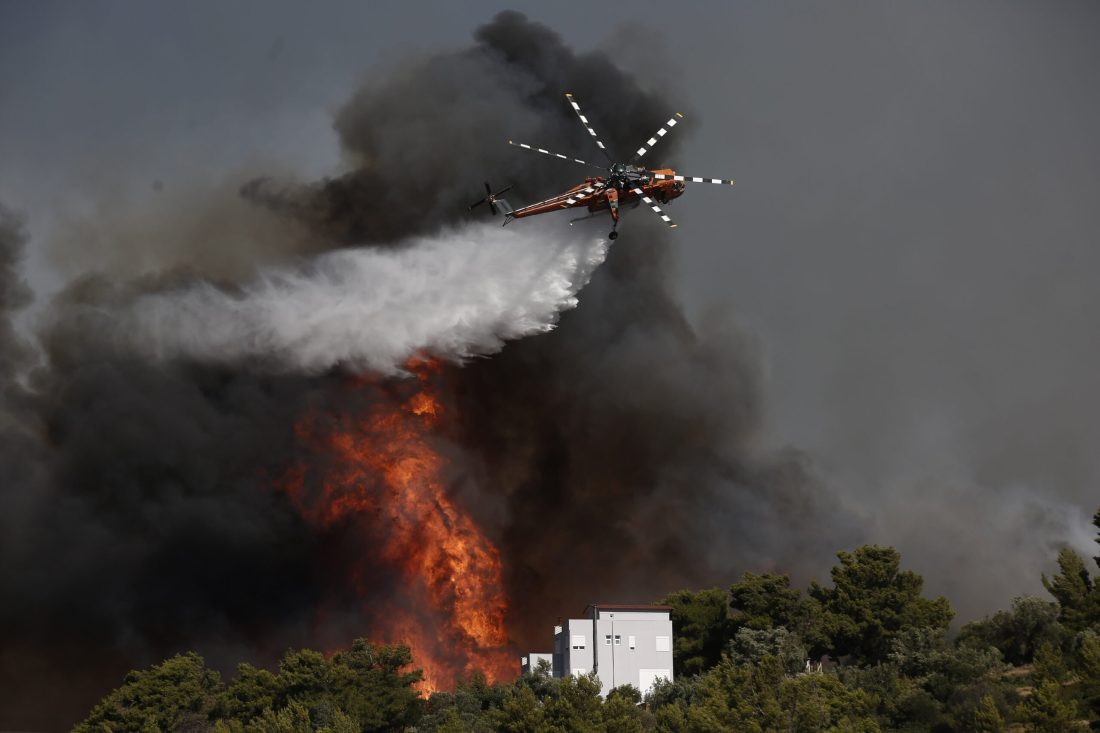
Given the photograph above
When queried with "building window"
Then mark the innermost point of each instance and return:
(632, 642)
(578, 642)
(607, 640)
(618, 640)
(662, 643)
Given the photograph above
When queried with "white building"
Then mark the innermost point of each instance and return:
(622, 644)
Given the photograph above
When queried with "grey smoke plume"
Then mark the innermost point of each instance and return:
(455, 295)
(940, 523)
(14, 294)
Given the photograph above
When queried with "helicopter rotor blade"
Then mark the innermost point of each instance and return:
(672, 122)
(567, 158)
(656, 209)
(584, 121)
(488, 189)
(585, 193)
(692, 179)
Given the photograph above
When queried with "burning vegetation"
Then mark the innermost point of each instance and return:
(383, 477)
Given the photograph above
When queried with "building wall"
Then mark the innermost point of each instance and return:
(638, 663)
(643, 654)
(576, 643)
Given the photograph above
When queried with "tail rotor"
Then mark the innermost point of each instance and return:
(496, 204)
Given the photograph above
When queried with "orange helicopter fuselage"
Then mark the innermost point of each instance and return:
(607, 197)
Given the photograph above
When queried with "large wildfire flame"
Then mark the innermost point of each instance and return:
(383, 475)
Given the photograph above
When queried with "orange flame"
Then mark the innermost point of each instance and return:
(387, 477)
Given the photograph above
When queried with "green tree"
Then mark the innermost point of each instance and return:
(366, 685)
(342, 723)
(761, 698)
(621, 713)
(1073, 589)
(1088, 656)
(253, 691)
(1046, 711)
(305, 676)
(294, 718)
(177, 695)
(885, 684)
(765, 601)
(575, 706)
(872, 600)
(520, 711)
(666, 692)
(750, 646)
(1096, 523)
(1050, 664)
(371, 684)
(925, 657)
(701, 628)
(984, 717)
(677, 706)
(739, 697)
(1017, 633)
(452, 719)
(820, 702)
(464, 709)
(1088, 669)
(920, 681)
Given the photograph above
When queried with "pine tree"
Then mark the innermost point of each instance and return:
(701, 626)
(1045, 711)
(1096, 523)
(1073, 588)
(872, 601)
(1088, 669)
(984, 717)
(178, 693)
(1088, 657)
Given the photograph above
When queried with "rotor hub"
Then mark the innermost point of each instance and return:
(624, 175)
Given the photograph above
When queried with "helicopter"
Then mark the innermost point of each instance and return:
(620, 185)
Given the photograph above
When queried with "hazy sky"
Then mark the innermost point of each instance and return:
(912, 241)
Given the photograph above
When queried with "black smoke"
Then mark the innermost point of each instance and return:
(425, 136)
(616, 458)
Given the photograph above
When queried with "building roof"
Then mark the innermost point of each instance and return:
(626, 607)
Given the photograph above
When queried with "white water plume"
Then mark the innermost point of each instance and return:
(455, 295)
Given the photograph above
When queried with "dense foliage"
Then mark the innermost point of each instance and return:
(867, 654)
